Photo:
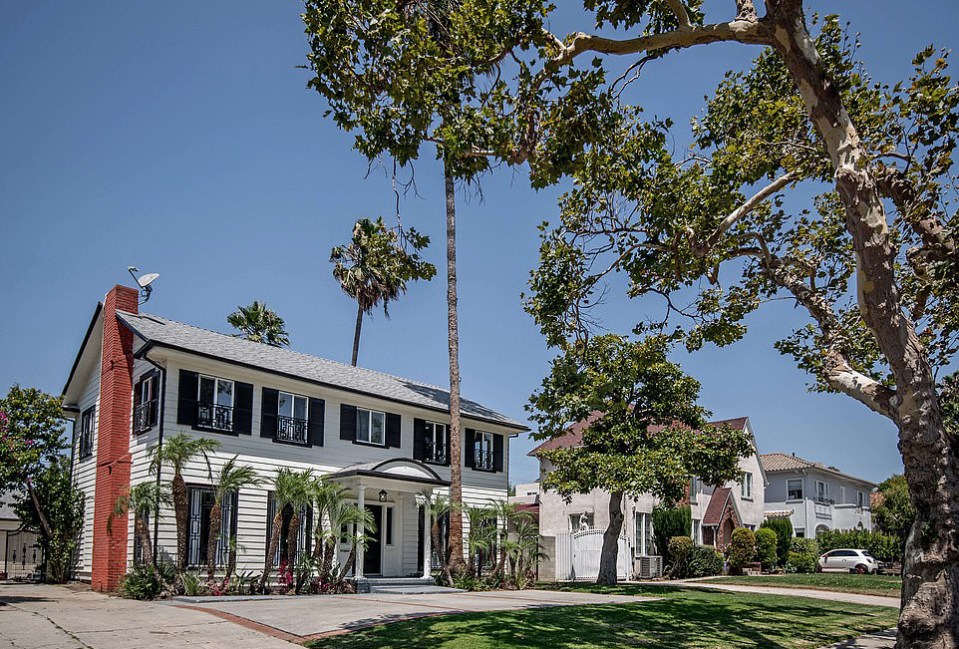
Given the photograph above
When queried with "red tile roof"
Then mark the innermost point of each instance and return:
(717, 505)
(574, 434)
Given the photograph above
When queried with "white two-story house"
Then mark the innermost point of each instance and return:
(816, 497)
(139, 379)
(715, 511)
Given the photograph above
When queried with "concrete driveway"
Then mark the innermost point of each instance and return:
(55, 617)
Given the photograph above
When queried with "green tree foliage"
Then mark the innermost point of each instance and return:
(783, 528)
(669, 522)
(894, 512)
(259, 324)
(31, 436)
(766, 548)
(63, 505)
(884, 547)
(144, 501)
(231, 477)
(742, 549)
(803, 556)
(376, 265)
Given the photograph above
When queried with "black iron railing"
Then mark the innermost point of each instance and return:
(822, 500)
(483, 459)
(214, 417)
(143, 416)
(292, 430)
(436, 453)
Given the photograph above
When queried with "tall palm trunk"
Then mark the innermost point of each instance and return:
(181, 513)
(146, 545)
(230, 563)
(292, 538)
(212, 540)
(271, 551)
(455, 536)
(356, 333)
(347, 566)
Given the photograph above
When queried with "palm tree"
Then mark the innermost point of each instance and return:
(438, 507)
(506, 514)
(375, 267)
(525, 549)
(481, 536)
(143, 500)
(177, 452)
(289, 487)
(355, 515)
(259, 324)
(331, 515)
(231, 479)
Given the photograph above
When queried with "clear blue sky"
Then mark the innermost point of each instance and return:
(179, 137)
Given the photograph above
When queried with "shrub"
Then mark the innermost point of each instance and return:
(783, 528)
(669, 522)
(766, 542)
(803, 556)
(883, 547)
(742, 548)
(192, 584)
(704, 561)
(679, 549)
(143, 582)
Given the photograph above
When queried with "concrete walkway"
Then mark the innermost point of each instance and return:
(850, 598)
(881, 640)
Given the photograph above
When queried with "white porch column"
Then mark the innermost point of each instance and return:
(427, 539)
(360, 530)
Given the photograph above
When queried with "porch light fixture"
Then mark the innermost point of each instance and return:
(383, 495)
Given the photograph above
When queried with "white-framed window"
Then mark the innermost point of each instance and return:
(746, 485)
(794, 489)
(693, 489)
(644, 534)
(860, 499)
(697, 531)
(822, 492)
(370, 426)
(146, 411)
(436, 450)
(581, 522)
(88, 422)
(842, 495)
(483, 451)
(800, 532)
(292, 418)
(215, 403)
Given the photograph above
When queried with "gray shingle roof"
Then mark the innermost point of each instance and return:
(776, 462)
(169, 333)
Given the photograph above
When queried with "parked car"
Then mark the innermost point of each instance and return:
(847, 559)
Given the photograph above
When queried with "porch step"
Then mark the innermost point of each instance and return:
(400, 586)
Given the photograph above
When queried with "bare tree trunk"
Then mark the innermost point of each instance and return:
(44, 523)
(455, 536)
(610, 552)
(146, 545)
(929, 616)
(181, 514)
(271, 551)
(292, 542)
(356, 333)
(212, 540)
(440, 552)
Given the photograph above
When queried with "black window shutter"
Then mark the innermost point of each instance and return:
(186, 398)
(469, 452)
(268, 409)
(270, 514)
(137, 389)
(347, 422)
(448, 438)
(393, 430)
(243, 409)
(497, 452)
(317, 411)
(157, 389)
(419, 439)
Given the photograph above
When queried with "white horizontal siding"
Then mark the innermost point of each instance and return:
(85, 470)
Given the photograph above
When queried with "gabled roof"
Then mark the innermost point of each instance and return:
(574, 434)
(162, 332)
(784, 463)
(717, 505)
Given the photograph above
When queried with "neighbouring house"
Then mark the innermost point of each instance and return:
(139, 379)
(816, 497)
(19, 547)
(572, 530)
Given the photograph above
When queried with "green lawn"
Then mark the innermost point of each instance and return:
(887, 585)
(684, 618)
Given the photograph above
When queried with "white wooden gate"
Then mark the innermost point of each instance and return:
(578, 553)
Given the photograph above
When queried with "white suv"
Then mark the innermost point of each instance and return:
(849, 560)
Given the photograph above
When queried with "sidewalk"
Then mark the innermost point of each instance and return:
(881, 640)
(850, 598)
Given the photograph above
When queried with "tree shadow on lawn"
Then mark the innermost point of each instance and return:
(670, 623)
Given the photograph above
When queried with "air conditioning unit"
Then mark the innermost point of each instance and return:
(649, 567)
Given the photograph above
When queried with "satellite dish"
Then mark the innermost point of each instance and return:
(144, 282)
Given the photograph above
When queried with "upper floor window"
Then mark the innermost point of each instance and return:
(483, 451)
(436, 450)
(145, 398)
(746, 485)
(860, 499)
(693, 489)
(822, 492)
(370, 426)
(215, 404)
(794, 489)
(87, 426)
(293, 417)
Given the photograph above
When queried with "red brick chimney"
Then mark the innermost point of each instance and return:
(113, 439)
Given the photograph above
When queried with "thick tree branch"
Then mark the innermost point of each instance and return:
(748, 207)
(915, 211)
(682, 16)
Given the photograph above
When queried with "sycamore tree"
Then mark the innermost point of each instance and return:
(647, 434)
(871, 260)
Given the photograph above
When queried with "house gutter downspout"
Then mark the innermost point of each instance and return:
(156, 519)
